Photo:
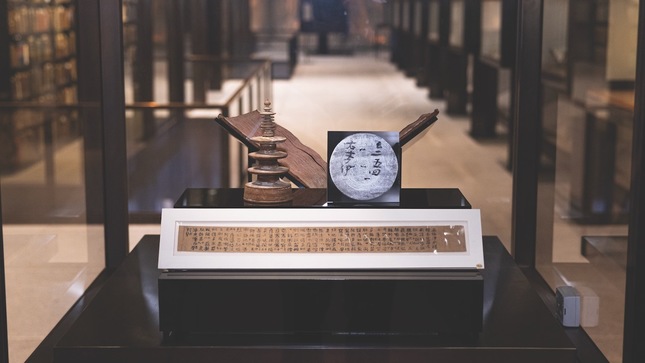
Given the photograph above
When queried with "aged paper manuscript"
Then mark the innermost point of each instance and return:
(437, 239)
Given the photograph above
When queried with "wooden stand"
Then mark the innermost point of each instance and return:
(306, 168)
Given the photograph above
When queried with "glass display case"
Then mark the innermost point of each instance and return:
(418, 19)
(491, 21)
(40, 55)
(434, 19)
(465, 26)
(438, 18)
(621, 33)
(588, 72)
(56, 75)
(492, 71)
(581, 238)
(555, 40)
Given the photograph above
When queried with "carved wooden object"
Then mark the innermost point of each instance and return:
(306, 167)
(268, 187)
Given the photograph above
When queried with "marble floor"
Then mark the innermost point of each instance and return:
(48, 266)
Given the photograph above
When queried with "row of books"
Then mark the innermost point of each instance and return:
(42, 48)
(28, 20)
(41, 80)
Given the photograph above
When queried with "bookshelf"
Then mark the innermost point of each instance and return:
(39, 66)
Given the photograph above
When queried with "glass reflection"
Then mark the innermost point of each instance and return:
(49, 162)
(589, 59)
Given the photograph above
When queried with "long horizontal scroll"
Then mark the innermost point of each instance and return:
(437, 239)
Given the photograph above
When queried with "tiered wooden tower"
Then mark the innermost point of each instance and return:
(267, 186)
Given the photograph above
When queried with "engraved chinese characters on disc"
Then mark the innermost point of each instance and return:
(363, 166)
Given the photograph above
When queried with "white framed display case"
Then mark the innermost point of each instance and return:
(320, 238)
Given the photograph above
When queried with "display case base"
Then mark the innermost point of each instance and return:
(120, 324)
(326, 301)
(319, 302)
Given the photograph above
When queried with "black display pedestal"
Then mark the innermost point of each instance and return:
(121, 323)
(203, 306)
(194, 305)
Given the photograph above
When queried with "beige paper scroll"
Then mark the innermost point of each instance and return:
(437, 239)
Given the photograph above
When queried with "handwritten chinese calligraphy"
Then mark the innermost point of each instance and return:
(363, 166)
(437, 239)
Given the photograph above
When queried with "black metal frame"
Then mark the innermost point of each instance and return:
(114, 134)
(508, 42)
(634, 331)
(526, 145)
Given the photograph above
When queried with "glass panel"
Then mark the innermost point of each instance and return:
(588, 105)
(491, 17)
(50, 167)
(324, 79)
(554, 39)
(174, 95)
